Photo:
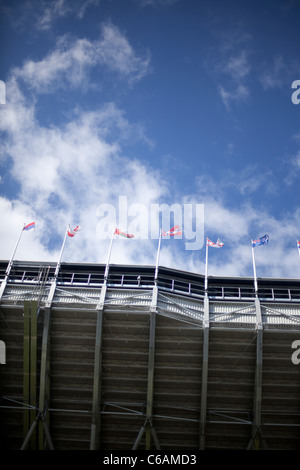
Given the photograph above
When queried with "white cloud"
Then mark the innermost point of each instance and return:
(14, 214)
(64, 173)
(54, 9)
(64, 177)
(249, 180)
(70, 63)
(238, 66)
(230, 65)
(44, 14)
(236, 226)
(115, 51)
(274, 75)
(237, 94)
(47, 12)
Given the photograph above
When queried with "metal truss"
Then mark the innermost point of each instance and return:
(154, 302)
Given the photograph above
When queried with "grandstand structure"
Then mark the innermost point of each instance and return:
(147, 360)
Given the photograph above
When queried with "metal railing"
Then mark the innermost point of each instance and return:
(92, 276)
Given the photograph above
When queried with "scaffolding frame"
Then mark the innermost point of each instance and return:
(36, 415)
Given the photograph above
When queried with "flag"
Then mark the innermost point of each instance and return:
(173, 231)
(218, 243)
(298, 245)
(260, 241)
(123, 234)
(71, 232)
(29, 226)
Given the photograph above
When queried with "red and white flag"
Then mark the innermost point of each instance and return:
(73, 232)
(218, 243)
(173, 231)
(123, 234)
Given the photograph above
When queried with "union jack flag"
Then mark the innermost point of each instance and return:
(173, 231)
(218, 243)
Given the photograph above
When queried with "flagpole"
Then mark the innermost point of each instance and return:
(206, 269)
(60, 255)
(157, 256)
(13, 254)
(9, 266)
(108, 256)
(254, 270)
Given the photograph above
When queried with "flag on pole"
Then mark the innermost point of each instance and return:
(176, 230)
(73, 232)
(116, 231)
(218, 243)
(10, 263)
(122, 234)
(173, 231)
(29, 226)
(260, 241)
(298, 245)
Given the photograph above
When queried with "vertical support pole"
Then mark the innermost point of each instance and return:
(96, 405)
(147, 426)
(33, 361)
(150, 384)
(44, 395)
(258, 371)
(44, 373)
(206, 267)
(258, 390)
(26, 366)
(9, 266)
(254, 272)
(256, 440)
(203, 410)
(157, 257)
(29, 367)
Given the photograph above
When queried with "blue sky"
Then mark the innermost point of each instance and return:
(164, 102)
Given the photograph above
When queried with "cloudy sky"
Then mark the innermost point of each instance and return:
(168, 104)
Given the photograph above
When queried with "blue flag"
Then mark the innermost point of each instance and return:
(261, 241)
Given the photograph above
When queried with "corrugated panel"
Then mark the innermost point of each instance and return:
(125, 297)
(240, 313)
(180, 308)
(177, 383)
(280, 391)
(18, 293)
(72, 343)
(281, 314)
(124, 379)
(178, 366)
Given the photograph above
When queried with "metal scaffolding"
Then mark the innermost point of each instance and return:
(163, 363)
